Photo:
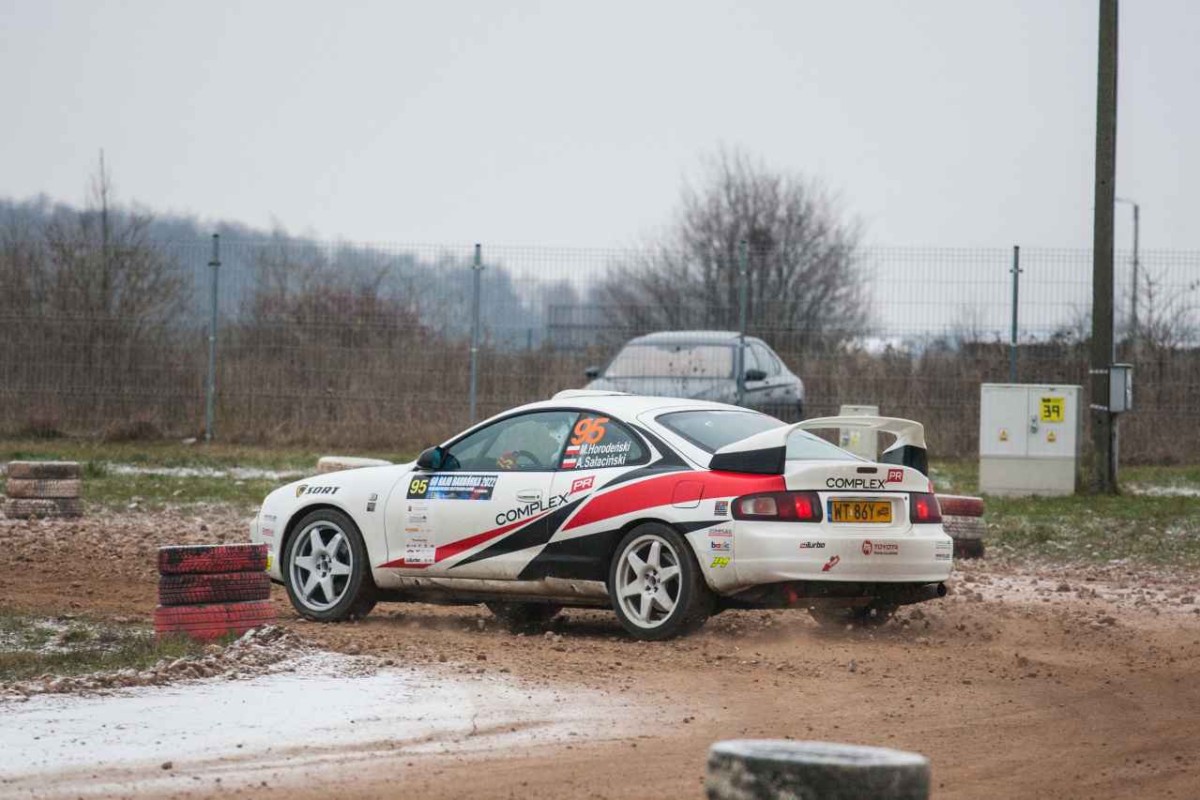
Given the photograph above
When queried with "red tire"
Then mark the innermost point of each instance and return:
(210, 558)
(956, 505)
(219, 587)
(214, 620)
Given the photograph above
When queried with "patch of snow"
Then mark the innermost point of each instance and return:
(87, 745)
(237, 473)
(1166, 491)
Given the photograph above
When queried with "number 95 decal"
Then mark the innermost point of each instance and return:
(418, 488)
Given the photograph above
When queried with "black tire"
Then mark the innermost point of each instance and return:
(211, 558)
(225, 587)
(873, 615)
(693, 601)
(523, 617)
(356, 595)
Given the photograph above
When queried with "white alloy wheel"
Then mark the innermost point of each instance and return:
(322, 565)
(649, 580)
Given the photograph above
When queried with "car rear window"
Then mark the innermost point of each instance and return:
(712, 430)
(672, 361)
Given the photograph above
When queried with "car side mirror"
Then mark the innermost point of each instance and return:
(591, 373)
(756, 375)
(432, 459)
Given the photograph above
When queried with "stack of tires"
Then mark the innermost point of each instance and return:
(962, 517)
(43, 489)
(210, 591)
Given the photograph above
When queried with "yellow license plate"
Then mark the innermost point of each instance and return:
(860, 511)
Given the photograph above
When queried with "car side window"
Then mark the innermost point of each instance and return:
(752, 358)
(766, 361)
(526, 442)
(598, 441)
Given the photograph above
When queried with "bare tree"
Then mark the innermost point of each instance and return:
(805, 279)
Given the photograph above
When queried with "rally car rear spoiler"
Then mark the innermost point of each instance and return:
(766, 453)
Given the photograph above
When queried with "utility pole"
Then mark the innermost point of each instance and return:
(1103, 424)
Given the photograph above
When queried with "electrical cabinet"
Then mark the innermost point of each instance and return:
(1029, 438)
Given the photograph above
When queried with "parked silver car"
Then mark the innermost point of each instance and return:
(702, 365)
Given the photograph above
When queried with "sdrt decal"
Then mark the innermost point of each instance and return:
(304, 489)
(452, 487)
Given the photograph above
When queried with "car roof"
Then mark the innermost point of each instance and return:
(688, 337)
(620, 404)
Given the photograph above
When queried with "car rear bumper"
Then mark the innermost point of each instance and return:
(775, 552)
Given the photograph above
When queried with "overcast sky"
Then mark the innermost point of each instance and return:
(959, 122)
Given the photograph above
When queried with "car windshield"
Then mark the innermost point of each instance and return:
(680, 360)
(712, 430)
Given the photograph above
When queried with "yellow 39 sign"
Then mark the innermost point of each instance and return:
(1052, 409)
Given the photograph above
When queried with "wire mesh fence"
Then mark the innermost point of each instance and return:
(370, 345)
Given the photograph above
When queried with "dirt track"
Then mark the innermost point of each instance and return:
(1044, 683)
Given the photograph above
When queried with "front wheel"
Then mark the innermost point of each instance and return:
(327, 575)
(655, 584)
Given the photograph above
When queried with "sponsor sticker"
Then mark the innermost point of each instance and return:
(452, 486)
(812, 545)
(720, 562)
(721, 508)
(895, 476)
(715, 532)
(831, 563)
(267, 533)
(270, 560)
(880, 548)
(269, 517)
(419, 551)
(855, 483)
(305, 489)
(530, 509)
(582, 484)
(941, 556)
(720, 545)
(371, 501)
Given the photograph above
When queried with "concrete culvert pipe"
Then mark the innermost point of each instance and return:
(327, 464)
(780, 769)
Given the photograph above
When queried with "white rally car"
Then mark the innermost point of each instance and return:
(666, 510)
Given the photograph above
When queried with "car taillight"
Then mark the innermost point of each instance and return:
(923, 508)
(779, 507)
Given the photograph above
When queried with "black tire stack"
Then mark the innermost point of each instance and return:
(43, 489)
(210, 591)
(962, 518)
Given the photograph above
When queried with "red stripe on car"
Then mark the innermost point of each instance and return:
(659, 491)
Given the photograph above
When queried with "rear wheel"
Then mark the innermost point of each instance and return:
(326, 571)
(656, 586)
(523, 617)
(871, 615)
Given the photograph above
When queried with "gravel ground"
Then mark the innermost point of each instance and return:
(1028, 680)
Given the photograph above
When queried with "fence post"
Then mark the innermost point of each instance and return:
(1016, 287)
(477, 270)
(742, 299)
(210, 399)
